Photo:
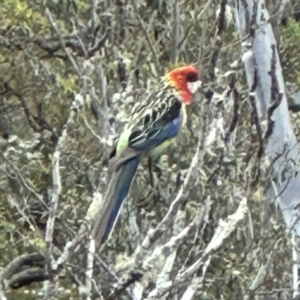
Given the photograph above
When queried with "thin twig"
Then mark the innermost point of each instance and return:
(90, 267)
(145, 32)
(176, 24)
(62, 42)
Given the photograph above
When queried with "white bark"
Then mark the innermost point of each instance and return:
(260, 57)
(56, 191)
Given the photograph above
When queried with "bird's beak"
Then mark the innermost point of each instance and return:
(194, 86)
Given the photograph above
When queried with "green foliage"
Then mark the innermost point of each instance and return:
(21, 13)
(290, 51)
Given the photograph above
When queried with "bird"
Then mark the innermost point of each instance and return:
(156, 119)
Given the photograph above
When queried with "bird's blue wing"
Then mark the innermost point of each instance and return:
(160, 124)
(155, 136)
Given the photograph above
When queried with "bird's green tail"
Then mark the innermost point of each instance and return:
(118, 188)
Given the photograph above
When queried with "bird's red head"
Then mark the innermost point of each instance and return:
(186, 80)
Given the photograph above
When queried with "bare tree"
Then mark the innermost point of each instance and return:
(203, 222)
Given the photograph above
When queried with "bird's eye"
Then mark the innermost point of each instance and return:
(192, 77)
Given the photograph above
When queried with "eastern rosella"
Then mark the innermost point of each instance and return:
(155, 121)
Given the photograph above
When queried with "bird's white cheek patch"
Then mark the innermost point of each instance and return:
(194, 86)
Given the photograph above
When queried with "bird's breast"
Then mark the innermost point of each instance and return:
(160, 149)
